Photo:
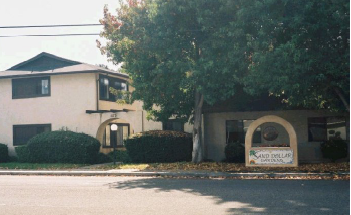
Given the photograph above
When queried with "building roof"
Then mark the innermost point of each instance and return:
(48, 64)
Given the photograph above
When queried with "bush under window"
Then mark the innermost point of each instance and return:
(235, 152)
(4, 153)
(334, 149)
(63, 147)
(23, 154)
(151, 149)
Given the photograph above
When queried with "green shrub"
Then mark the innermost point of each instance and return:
(13, 159)
(4, 153)
(23, 154)
(104, 158)
(163, 133)
(235, 152)
(121, 156)
(334, 149)
(63, 147)
(149, 149)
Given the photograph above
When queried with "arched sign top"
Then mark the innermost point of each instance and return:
(275, 119)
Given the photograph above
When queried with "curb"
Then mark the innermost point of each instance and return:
(167, 174)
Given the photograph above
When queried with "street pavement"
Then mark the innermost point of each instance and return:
(145, 195)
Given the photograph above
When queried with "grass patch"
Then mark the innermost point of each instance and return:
(233, 167)
(39, 166)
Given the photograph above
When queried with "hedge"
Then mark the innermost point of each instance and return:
(23, 154)
(234, 152)
(334, 149)
(63, 147)
(163, 133)
(150, 149)
(4, 153)
(121, 156)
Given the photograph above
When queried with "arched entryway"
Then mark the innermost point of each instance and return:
(274, 119)
(109, 137)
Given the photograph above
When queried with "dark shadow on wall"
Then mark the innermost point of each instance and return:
(258, 196)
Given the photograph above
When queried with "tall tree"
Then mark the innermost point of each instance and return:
(176, 54)
(300, 51)
(180, 54)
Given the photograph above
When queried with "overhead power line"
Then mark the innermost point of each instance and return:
(49, 35)
(50, 26)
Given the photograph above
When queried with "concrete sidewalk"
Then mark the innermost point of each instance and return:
(172, 174)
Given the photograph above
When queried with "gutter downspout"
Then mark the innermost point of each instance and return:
(97, 90)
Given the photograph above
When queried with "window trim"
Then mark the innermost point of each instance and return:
(25, 125)
(13, 82)
(110, 79)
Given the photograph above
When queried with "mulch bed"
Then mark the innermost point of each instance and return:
(231, 167)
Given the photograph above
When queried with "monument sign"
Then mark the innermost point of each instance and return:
(271, 156)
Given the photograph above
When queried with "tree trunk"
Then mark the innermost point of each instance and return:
(197, 155)
(342, 98)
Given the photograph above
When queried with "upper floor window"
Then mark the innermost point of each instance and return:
(30, 87)
(107, 82)
(236, 131)
(173, 125)
(326, 128)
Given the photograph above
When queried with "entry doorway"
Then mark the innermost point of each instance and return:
(115, 138)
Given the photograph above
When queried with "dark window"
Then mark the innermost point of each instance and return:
(107, 82)
(118, 137)
(326, 128)
(22, 133)
(30, 87)
(173, 125)
(236, 131)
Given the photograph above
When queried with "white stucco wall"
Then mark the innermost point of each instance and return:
(215, 131)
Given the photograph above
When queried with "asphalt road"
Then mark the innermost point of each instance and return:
(134, 195)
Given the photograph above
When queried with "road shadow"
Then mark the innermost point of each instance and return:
(257, 196)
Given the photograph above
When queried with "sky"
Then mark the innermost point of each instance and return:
(14, 50)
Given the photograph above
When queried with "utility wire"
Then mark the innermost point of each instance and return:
(49, 35)
(49, 26)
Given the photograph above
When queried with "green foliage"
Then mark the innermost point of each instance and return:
(234, 152)
(122, 97)
(150, 149)
(63, 147)
(4, 153)
(172, 49)
(13, 159)
(334, 149)
(299, 51)
(103, 158)
(23, 154)
(163, 133)
(121, 156)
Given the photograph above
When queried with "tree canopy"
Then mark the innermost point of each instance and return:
(300, 51)
(180, 54)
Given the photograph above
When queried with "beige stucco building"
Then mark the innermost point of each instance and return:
(51, 93)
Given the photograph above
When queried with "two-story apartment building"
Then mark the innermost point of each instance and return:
(47, 93)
